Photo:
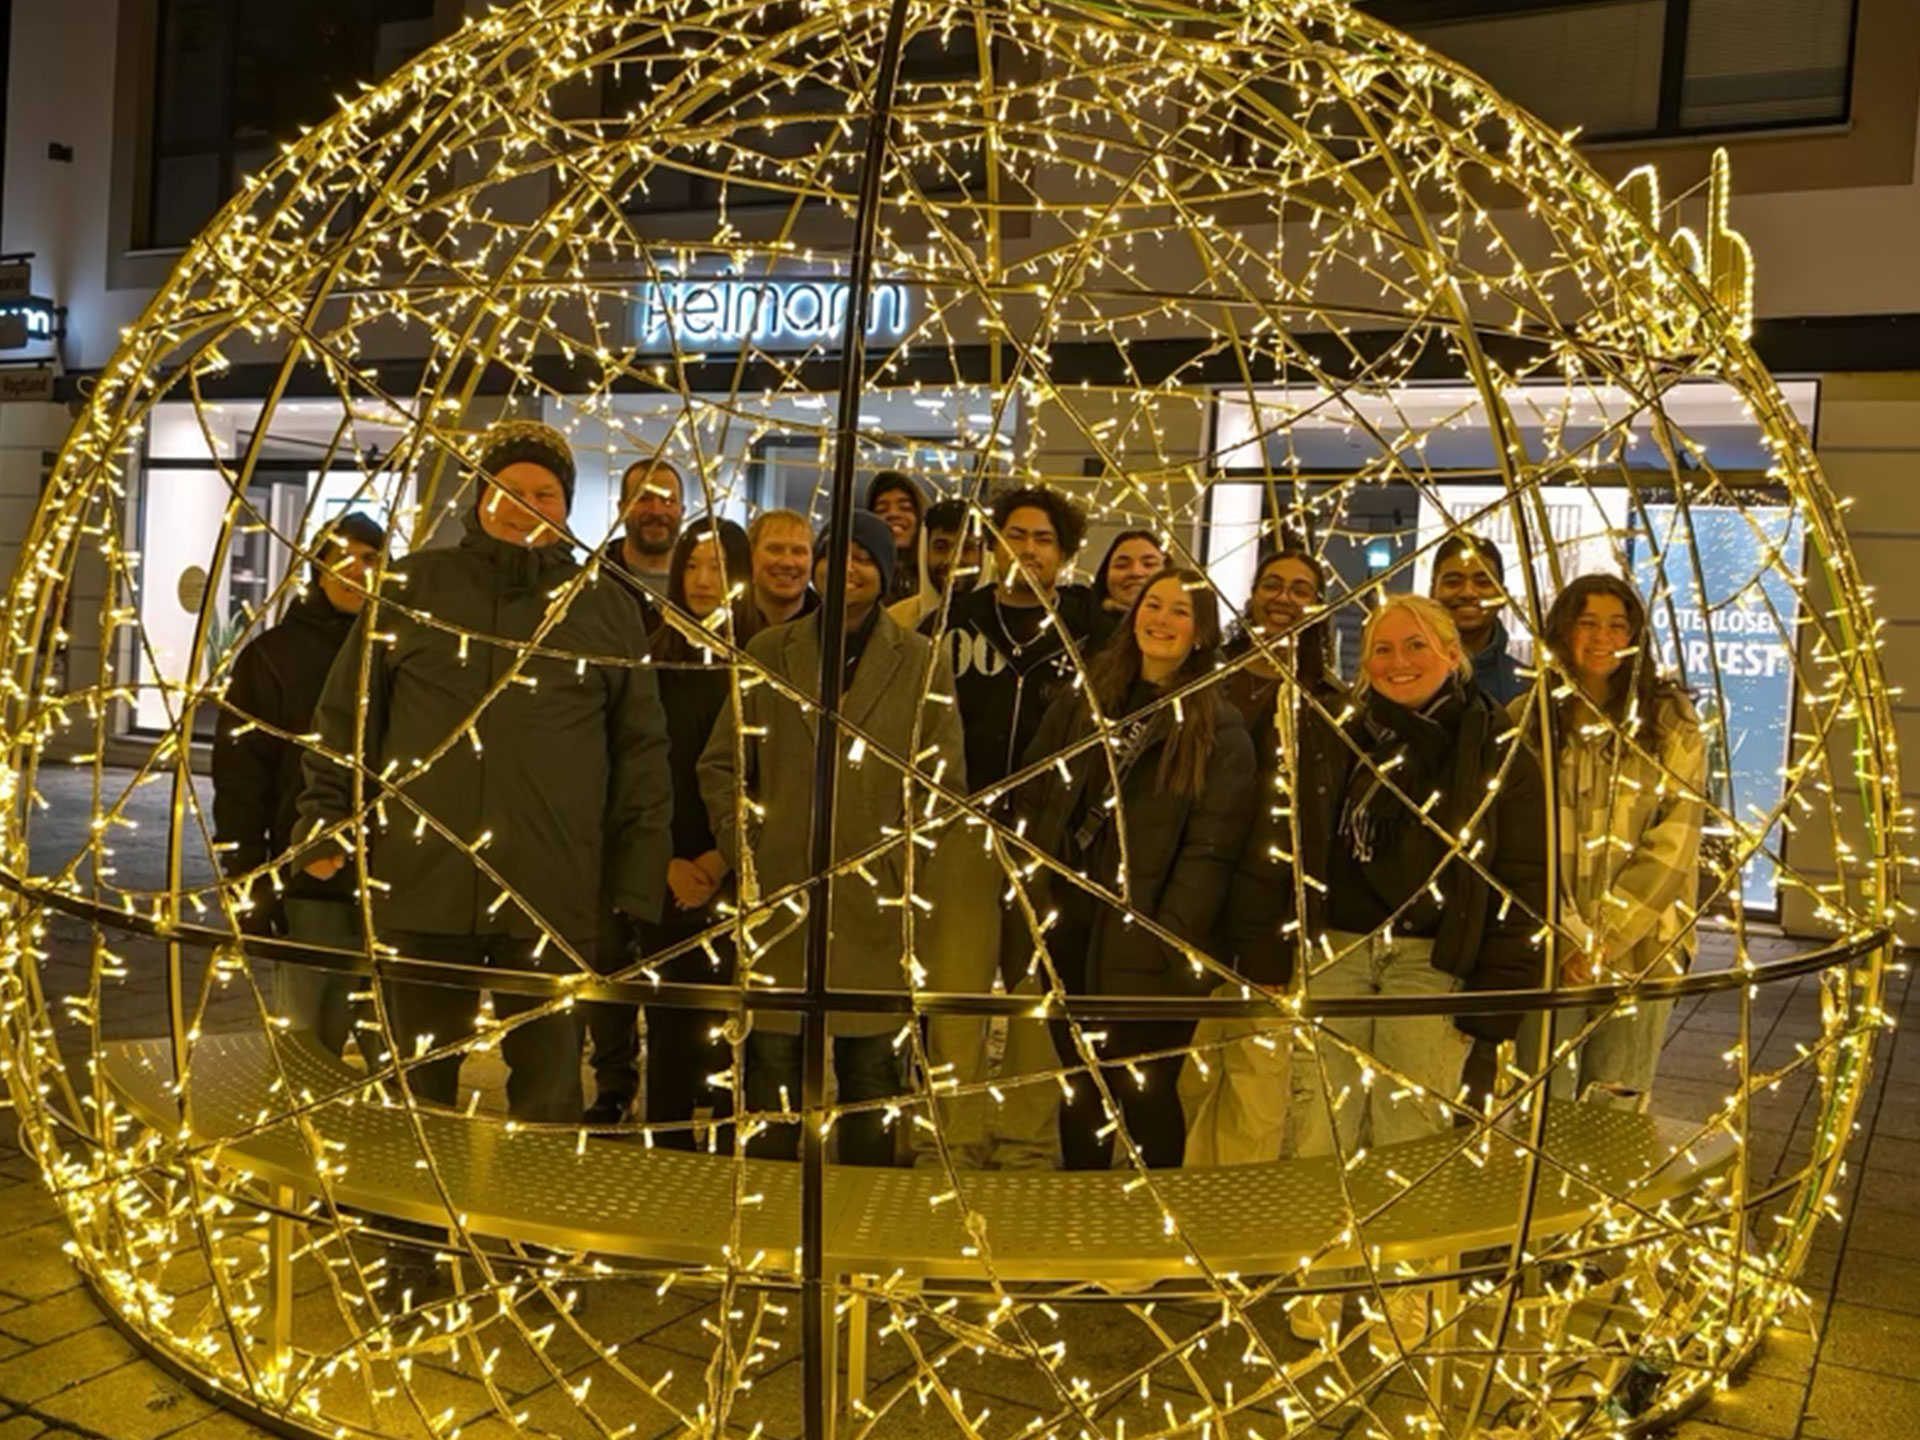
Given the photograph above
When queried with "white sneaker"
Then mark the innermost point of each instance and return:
(1407, 1313)
(1313, 1317)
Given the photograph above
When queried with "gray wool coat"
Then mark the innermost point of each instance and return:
(887, 703)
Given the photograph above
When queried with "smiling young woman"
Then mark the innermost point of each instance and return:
(1427, 772)
(1630, 787)
(1158, 814)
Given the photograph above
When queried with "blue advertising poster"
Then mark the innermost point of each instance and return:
(1739, 609)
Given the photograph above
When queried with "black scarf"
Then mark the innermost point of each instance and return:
(1425, 740)
(526, 567)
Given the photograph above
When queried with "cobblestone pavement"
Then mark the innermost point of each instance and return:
(1845, 1371)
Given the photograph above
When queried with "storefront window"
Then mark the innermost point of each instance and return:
(739, 455)
(314, 466)
(1723, 607)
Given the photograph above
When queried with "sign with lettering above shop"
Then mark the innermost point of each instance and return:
(707, 313)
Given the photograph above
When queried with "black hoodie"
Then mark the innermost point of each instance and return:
(1005, 686)
(257, 776)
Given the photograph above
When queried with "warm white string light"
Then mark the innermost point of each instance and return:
(1108, 224)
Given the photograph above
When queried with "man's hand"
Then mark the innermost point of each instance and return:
(326, 867)
(692, 886)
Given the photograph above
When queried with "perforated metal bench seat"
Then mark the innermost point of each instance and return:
(619, 1198)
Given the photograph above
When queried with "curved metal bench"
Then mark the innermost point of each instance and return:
(667, 1206)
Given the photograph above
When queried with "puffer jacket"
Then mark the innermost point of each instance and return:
(565, 767)
(1629, 831)
(257, 775)
(1180, 850)
(1258, 935)
(1484, 938)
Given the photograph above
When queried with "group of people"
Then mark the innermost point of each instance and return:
(525, 760)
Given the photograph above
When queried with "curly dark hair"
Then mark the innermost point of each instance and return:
(947, 516)
(1069, 516)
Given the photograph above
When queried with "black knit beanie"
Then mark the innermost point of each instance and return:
(354, 525)
(513, 441)
(871, 534)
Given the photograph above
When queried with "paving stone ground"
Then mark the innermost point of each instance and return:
(1849, 1369)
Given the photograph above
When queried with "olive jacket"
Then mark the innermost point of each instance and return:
(550, 769)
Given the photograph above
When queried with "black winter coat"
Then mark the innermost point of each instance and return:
(693, 695)
(569, 773)
(1488, 950)
(257, 779)
(1004, 688)
(613, 562)
(1263, 897)
(1180, 849)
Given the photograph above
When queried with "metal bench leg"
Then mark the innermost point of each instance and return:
(856, 1353)
(280, 1288)
(1446, 1305)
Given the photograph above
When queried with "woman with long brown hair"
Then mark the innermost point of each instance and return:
(1630, 789)
(1146, 822)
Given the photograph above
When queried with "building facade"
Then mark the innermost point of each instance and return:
(129, 122)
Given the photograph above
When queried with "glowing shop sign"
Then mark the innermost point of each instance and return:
(25, 321)
(701, 312)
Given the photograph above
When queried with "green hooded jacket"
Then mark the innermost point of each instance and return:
(558, 752)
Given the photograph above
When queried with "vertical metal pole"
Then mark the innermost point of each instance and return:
(280, 1239)
(817, 1292)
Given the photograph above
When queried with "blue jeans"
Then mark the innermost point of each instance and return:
(316, 1001)
(864, 1068)
(1428, 1050)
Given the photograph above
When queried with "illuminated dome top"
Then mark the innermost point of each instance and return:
(1218, 272)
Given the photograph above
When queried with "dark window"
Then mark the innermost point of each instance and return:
(236, 79)
(762, 139)
(1645, 69)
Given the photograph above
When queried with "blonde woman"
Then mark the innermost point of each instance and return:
(1400, 913)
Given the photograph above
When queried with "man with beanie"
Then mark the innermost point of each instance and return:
(897, 709)
(257, 779)
(513, 800)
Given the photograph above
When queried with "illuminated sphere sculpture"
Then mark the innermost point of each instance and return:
(1194, 264)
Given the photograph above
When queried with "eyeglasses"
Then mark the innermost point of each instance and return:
(1299, 590)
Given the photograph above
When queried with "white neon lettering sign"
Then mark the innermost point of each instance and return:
(763, 312)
